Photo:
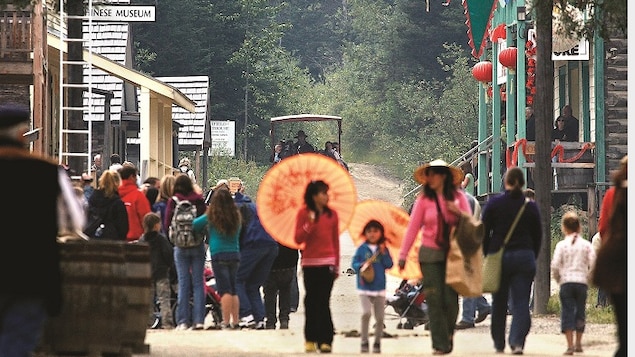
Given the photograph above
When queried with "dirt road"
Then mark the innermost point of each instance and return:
(374, 183)
(544, 338)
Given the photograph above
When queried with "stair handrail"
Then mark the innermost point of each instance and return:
(488, 142)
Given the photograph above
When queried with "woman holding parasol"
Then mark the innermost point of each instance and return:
(317, 229)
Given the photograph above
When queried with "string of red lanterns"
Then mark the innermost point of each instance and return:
(530, 53)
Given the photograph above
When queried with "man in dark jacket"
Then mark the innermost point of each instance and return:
(571, 124)
(258, 250)
(31, 288)
(302, 146)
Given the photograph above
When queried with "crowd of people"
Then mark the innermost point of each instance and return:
(285, 149)
(246, 259)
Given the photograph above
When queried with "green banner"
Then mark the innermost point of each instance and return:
(478, 14)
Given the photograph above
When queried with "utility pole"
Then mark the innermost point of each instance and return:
(246, 115)
(543, 110)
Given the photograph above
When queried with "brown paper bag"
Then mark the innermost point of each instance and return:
(464, 273)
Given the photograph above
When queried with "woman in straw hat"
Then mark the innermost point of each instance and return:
(434, 212)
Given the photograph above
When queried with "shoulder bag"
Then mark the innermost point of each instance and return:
(492, 265)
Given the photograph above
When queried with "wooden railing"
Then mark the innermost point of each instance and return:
(16, 38)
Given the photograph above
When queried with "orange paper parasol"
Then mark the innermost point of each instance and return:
(395, 221)
(281, 193)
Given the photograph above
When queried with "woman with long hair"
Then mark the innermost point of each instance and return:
(223, 222)
(190, 262)
(317, 229)
(166, 190)
(434, 212)
(106, 215)
(519, 258)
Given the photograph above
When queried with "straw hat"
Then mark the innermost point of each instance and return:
(420, 172)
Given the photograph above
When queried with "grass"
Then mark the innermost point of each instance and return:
(594, 315)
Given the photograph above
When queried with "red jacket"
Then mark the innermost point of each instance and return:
(320, 240)
(605, 212)
(137, 205)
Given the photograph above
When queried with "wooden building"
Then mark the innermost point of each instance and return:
(33, 71)
(589, 76)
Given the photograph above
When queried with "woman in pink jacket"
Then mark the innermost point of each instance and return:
(317, 230)
(436, 209)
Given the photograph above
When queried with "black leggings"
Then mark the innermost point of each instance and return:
(318, 324)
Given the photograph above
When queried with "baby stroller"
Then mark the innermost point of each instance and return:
(212, 298)
(409, 303)
(212, 302)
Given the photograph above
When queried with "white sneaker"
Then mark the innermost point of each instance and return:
(247, 322)
(198, 327)
(182, 327)
(260, 325)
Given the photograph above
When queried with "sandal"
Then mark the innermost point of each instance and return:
(568, 352)
(578, 349)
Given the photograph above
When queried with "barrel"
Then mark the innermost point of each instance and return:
(106, 300)
(94, 300)
(139, 295)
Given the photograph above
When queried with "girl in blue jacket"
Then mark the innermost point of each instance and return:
(372, 294)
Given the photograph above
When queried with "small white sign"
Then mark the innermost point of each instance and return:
(118, 13)
(579, 52)
(223, 138)
(501, 71)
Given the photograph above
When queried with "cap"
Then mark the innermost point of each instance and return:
(86, 177)
(12, 114)
(220, 183)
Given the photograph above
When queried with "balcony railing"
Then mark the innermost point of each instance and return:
(16, 37)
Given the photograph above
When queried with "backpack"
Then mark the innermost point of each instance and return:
(96, 221)
(180, 232)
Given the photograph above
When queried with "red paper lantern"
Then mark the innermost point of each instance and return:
(507, 57)
(482, 71)
(499, 33)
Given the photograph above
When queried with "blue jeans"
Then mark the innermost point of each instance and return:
(573, 306)
(190, 263)
(277, 289)
(471, 305)
(225, 275)
(22, 324)
(518, 271)
(255, 264)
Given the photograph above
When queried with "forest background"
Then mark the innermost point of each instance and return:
(397, 73)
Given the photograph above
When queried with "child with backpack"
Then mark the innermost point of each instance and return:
(372, 293)
(161, 263)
